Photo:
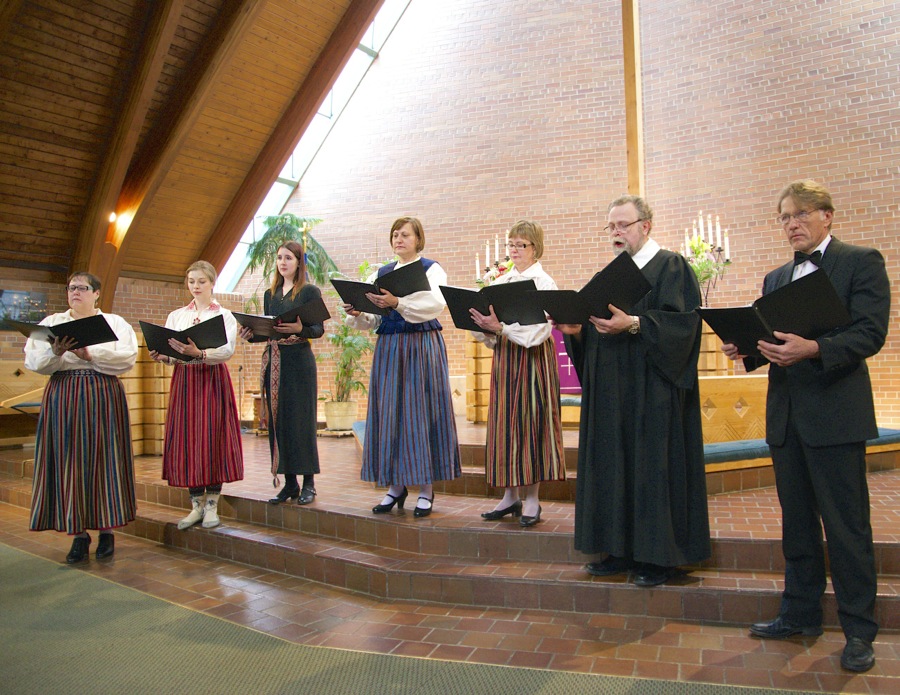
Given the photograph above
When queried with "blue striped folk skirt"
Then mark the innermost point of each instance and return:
(410, 429)
(203, 433)
(524, 438)
(83, 463)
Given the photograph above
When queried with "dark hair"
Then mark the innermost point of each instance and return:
(92, 279)
(299, 277)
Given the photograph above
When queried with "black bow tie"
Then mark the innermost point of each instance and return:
(815, 258)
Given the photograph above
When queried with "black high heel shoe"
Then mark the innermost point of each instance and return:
(419, 512)
(286, 493)
(515, 509)
(395, 499)
(527, 521)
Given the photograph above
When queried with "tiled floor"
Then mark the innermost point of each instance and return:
(311, 613)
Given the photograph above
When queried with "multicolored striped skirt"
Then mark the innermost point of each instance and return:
(410, 429)
(203, 433)
(524, 439)
(83, 462)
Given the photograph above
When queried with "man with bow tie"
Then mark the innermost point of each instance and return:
(819, 414)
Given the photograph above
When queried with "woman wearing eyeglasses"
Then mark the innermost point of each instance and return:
(202, 448)
(524, 433)
(83, 464)
(410, 430)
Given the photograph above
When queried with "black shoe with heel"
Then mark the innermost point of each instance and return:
(106, 546)
(80, 549)
(528, 521)
(419, 512)
(307, 495)
(515, 509)
(286, 493)
(395, 499)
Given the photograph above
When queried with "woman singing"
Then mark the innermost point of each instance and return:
(288, 379)
(202, 447)
(410, 431)
(524, 438)
(83, 464)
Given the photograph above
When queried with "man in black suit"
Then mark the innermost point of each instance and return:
(819, 414)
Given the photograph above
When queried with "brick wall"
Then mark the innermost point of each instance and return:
(479, 112)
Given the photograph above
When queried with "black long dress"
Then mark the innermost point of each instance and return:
(291, 397)
(641, 480)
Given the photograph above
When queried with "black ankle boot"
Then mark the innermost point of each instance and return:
(80, 549)
(106, 546)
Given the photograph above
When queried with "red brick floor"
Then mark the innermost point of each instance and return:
(316, 614)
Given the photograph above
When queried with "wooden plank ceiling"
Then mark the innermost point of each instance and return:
(175, 114)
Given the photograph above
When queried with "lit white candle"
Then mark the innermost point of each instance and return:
(687, 242)
(497, 247)
(727, 250)
(700, 223)
(487, 254)
(718, 234)
(477, 267)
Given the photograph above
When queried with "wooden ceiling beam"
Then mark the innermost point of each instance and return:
(98, 239)
(634, 109)
(297, 117)
(8, 11)
(151, 165)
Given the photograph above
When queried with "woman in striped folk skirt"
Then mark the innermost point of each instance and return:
(83, 462)
(524, 439)
(410, 428)
(202, 448)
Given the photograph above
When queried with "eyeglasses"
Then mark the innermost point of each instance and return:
(79, 288)
(801, 217)
(621, 228)
(518, 245)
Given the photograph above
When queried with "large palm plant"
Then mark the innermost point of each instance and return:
(282, 228)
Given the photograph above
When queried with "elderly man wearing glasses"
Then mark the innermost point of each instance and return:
(641, 496)
(819, 414)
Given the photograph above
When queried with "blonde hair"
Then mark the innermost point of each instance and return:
(530, 231)
(204, 267)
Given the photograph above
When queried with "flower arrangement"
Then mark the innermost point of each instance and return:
(707, 262)
(493, 272)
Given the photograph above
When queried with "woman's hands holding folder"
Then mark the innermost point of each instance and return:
(488, 323)
(289, 328)
(385, 300)
(60, 346)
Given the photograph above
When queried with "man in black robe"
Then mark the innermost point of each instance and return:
(641, 495)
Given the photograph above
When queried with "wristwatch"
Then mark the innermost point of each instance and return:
(635, 325)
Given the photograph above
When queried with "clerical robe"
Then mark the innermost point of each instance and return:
(641, 482)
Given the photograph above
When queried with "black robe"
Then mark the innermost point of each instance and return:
(641, 481)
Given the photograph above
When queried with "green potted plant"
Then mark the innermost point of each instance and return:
(348, 348)
(279, 229)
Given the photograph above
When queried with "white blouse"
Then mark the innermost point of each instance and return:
(526, 336)
(187, 316)
(112, 358)
(417, 307)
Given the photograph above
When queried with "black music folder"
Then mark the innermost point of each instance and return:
(808, 307)
(207, 334)
(621, 283)
(513, 302)
(312, 312)
(93, 330)
(400, 282)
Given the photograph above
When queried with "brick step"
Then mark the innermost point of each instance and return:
(454, 529)
(716, 596)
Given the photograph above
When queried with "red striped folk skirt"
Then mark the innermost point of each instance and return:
(524, 437)
(83, 463)
(203, 433)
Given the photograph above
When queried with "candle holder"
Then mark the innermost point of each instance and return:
(494, 271)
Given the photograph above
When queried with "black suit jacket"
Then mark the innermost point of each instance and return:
(831, 396)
